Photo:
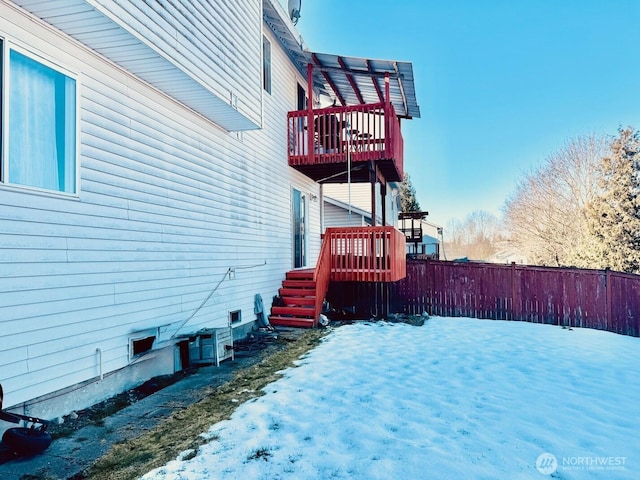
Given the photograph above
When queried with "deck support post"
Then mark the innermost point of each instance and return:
(383, 198)
(372, 179)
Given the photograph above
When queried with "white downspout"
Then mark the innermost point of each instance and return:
(99, 353)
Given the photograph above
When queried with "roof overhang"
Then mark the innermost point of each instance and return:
(276, 18)
(93, 25)
(350, 80)
(357, 81)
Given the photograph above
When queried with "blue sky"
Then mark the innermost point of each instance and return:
(501, 84)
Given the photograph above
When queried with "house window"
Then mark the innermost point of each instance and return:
(302, 98)
(235, 316)
(1, 108)
(266, 64)
(40, 132)
(141, 345)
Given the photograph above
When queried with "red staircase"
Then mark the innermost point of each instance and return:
(363, 254)
(298, 294)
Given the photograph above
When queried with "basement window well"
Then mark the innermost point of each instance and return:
(140, 345)
(235, 316)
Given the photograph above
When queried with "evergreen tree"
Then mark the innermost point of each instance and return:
(408, 195)
(613, 217)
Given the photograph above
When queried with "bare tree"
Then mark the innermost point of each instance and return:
(475, 237)
(545, 216)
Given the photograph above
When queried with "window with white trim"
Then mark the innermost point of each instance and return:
(266, 64)
(40, 129)
(235, 316)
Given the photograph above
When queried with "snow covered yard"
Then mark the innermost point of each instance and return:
(456, 398)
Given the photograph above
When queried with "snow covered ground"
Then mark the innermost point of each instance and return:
(456, 398)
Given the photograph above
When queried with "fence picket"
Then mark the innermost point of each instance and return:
(600, 299)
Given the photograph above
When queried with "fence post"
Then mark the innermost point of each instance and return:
(607, 289)
(425, 298)
(515, 295)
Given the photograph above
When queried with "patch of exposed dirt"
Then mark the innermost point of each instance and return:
(415, 320)
(339, 318)
(182, 431)
(96, 414)
(256, 344)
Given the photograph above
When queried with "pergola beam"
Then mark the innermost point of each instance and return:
(375, 81)
(329, 80)
(352, 81)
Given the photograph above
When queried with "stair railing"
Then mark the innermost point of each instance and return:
(322, 274)
(368, 254)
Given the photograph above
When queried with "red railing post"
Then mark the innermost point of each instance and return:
(322, 273)
(387, 115)
(311, 135)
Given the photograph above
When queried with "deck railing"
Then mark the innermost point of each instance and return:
(362, 132)
(366, 254)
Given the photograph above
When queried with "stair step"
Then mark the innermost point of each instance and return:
(299, 283)
(291, 321)
(297, 292)
(297, 311)
(300, 275)
(291, 301)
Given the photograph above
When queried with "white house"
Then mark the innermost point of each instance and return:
(146, 191)
(350, 205)
(144, 170)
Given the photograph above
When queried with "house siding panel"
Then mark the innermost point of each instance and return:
(168, 202)
(205, 54)
(360, 194)
(335, 216)
(218, 43)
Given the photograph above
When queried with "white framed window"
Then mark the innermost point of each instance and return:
(266, 64)
(235, 316)
(40, 126)
(142, 342)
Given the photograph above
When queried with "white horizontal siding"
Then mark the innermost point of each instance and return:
(218, 43)
(359, 193)
(206, 55)
(335, 216)
(361, 198)
(167, 204)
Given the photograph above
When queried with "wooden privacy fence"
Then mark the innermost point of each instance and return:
(600, 299)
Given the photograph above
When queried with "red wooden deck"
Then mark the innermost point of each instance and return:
(323, 142)
(366, 254)
(362, 254)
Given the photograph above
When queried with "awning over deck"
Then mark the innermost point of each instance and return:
(350, 80)
(358, 81)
